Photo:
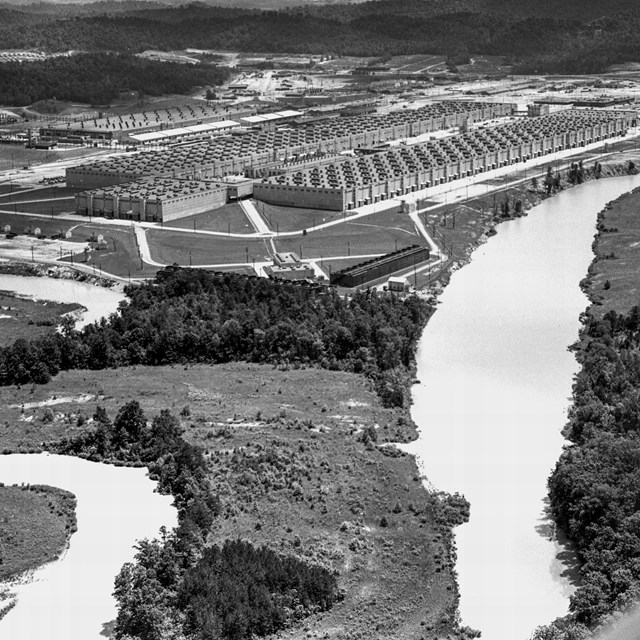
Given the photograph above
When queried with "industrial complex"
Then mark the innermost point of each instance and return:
(265, 149)
(303, 166)
(400, 170)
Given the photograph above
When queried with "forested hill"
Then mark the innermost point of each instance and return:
(189, 315)
(547, 36)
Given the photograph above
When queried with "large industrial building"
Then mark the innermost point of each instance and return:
(152, 200)
(353, 182)
(267, 150)
(127, 126)
(381, 267)
(302, 166)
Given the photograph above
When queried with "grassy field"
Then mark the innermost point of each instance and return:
(120, 257)
(50, 208)
(283, 219)
(43, 193)
(181, 248)
(49, 226)
(328, 490)
(16, 156)
(227, 219)
(360, 237)
(22, 318)
(10, 188)
(35, 525)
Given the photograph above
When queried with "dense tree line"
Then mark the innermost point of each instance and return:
(595, 487)
(237, 591)
(187, 315)
(178, 587)
(552, 37)
(98, 78)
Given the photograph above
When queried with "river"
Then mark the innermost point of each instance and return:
(99, 301)
(495, 385)
(71, 598)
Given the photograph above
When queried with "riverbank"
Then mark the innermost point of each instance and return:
(36, 524)
(459, 228)
(61, 271)
(22, 317)
(595, 485)
(612, 283)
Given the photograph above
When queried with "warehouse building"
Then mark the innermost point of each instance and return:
(263, 151)
(356, 181)
(153, 200)
(380, 267)
(125, 126)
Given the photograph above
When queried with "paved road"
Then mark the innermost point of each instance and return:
(255, 218)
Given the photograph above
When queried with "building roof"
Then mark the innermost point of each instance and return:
(163, 189)
(184, 131)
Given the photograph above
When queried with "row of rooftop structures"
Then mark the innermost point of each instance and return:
(346, 182)
(353, 182)
(262, 151)
(164, 123)
(161, 199)
(256, 153)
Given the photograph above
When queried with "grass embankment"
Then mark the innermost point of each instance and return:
(294, 471)
(612, 282)
(15, 157)
(460, 227)
(35, 525)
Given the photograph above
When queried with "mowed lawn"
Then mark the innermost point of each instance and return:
(44, 193)
(365, 236)
(227, 219)
(191, 248)
(281, 219)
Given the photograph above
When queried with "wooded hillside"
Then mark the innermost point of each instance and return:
(547, 37)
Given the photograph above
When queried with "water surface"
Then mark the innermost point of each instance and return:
(496, 381)
(99, 301)
(70, 599)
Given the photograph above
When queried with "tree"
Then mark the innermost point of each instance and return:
(129, 426)
(548, 181)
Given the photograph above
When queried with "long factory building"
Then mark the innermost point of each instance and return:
(153, 199)
(353, 182)
(161, 199)
(267, 149)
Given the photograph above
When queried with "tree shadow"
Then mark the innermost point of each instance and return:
(566, 553)
(108, 629)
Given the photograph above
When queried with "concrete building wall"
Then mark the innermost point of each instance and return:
(134, 206)
(308, 197)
